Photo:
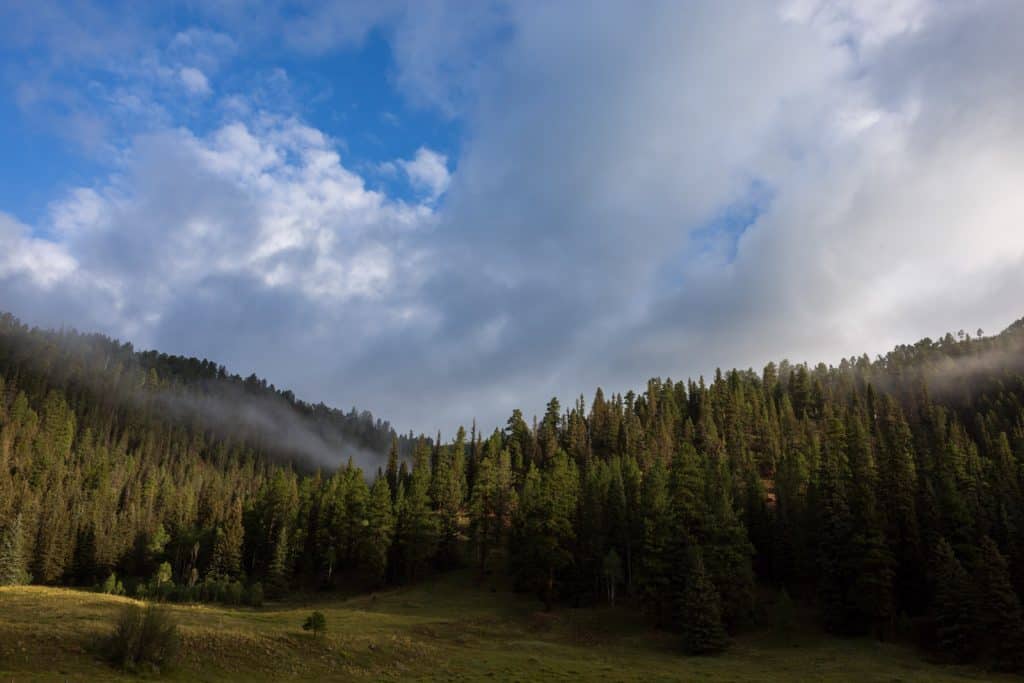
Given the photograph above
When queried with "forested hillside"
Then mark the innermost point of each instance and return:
(888, 494)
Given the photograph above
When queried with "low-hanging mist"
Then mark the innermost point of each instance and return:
(268, 420)
(223, 410)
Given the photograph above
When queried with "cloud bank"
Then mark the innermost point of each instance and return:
(644, 189)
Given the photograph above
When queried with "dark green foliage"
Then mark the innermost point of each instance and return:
(447, 492)
(417, 525)
(543, 532)
(1000, 631)
(315, 622)
(378, 533)
(656, 568)
(143, 639)
(952, 606)
(703, 632)
(227, 545)
(491, 507)
(727, 555)
(111, 585)
(12, 554)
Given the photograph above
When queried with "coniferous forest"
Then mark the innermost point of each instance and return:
(886, 495)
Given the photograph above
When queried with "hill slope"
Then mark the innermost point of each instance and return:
(443, 630)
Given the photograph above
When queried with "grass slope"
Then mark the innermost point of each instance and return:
(443, 630)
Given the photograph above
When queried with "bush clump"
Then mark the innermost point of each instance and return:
(112, 585)
(315, 622)
(143, 638)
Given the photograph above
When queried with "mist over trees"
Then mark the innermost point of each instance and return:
(888, 495)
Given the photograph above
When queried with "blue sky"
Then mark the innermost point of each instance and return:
(441, 210)
(348, 93)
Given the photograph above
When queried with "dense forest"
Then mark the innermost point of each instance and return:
(886, 494)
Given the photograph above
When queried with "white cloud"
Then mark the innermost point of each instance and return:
(585, 237)
(44, 263)
(428, 172)
(265, 205)
(194, 81)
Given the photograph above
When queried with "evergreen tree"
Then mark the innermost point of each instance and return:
(392, 470)
(544, 530)
(417, 523)
(727, 552)
(379, 531)
(834, 532)
(657, 568)
(703, 632)
(492, 506)
(448, 493)
(952, 616)
(897, 488)
(84, 569)
(278, 572)
(1000, 631)
(226, 561)
(13, 561)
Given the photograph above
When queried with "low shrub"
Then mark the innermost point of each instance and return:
(315, 622)
(143, 638)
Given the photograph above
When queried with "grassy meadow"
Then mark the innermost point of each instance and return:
(444, 630)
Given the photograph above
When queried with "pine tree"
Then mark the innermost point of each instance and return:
(448, 493)
(687, 490)
(703, 632)
(379, 531)
(549, 431)
(418, 525)
(226, 561)
(492, 505)
(544, 530)
(356, 503)
(13, 560)
(727, 553)
(632, 483)
(834, 533)
(897, 482)
(1000, 631)
(84, 569)
(952, 605)
(392, 470)
(53, 540)
(278, 572)
(656, 568)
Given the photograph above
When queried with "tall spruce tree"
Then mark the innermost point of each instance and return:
(448, 493)
(952, 605)
(492, 507)
(226, 561)
(703, 632)
(417, 522)
(13, 560)
(378, 532)
(543, 531)
(1000, 631)
(656, 567)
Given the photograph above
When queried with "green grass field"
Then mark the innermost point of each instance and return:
(444, 630)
